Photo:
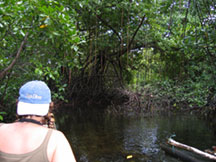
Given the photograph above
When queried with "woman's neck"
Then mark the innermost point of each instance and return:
(32, 119)
(37, 118)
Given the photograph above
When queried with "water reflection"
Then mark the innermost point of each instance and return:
(103, 138)
(141, 135)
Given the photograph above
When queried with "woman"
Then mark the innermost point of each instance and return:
(27, 140)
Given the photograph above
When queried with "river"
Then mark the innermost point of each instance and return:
(96, 137)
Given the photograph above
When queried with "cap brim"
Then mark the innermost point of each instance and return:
(32, 109)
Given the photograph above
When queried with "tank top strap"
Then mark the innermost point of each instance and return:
(46, 140)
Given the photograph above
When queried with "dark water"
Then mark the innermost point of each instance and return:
(106, 138)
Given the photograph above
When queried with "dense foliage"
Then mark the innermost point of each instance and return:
(82, 48)
(50, 43)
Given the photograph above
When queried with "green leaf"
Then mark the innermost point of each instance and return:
(3, 113)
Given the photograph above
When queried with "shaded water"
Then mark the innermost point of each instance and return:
(104, 138)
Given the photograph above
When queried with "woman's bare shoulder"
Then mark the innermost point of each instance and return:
(63, 150)
(57, 134)
(58, 139)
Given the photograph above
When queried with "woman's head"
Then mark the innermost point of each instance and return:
(34, 99)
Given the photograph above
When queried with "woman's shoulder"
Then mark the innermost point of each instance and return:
(57, 138)
(57, 133)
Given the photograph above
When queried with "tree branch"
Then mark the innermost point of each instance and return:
(103, 21)
(189, 148)
(124, 50)
(4, 72)
(185, 19)
(131, 41)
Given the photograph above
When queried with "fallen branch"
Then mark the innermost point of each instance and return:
(189, 148)
(178, 154)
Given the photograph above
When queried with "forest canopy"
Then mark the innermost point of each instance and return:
(84, 48)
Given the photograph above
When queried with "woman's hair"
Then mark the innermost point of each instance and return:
(48, 120)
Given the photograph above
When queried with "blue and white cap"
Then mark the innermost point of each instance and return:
(34, 99)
